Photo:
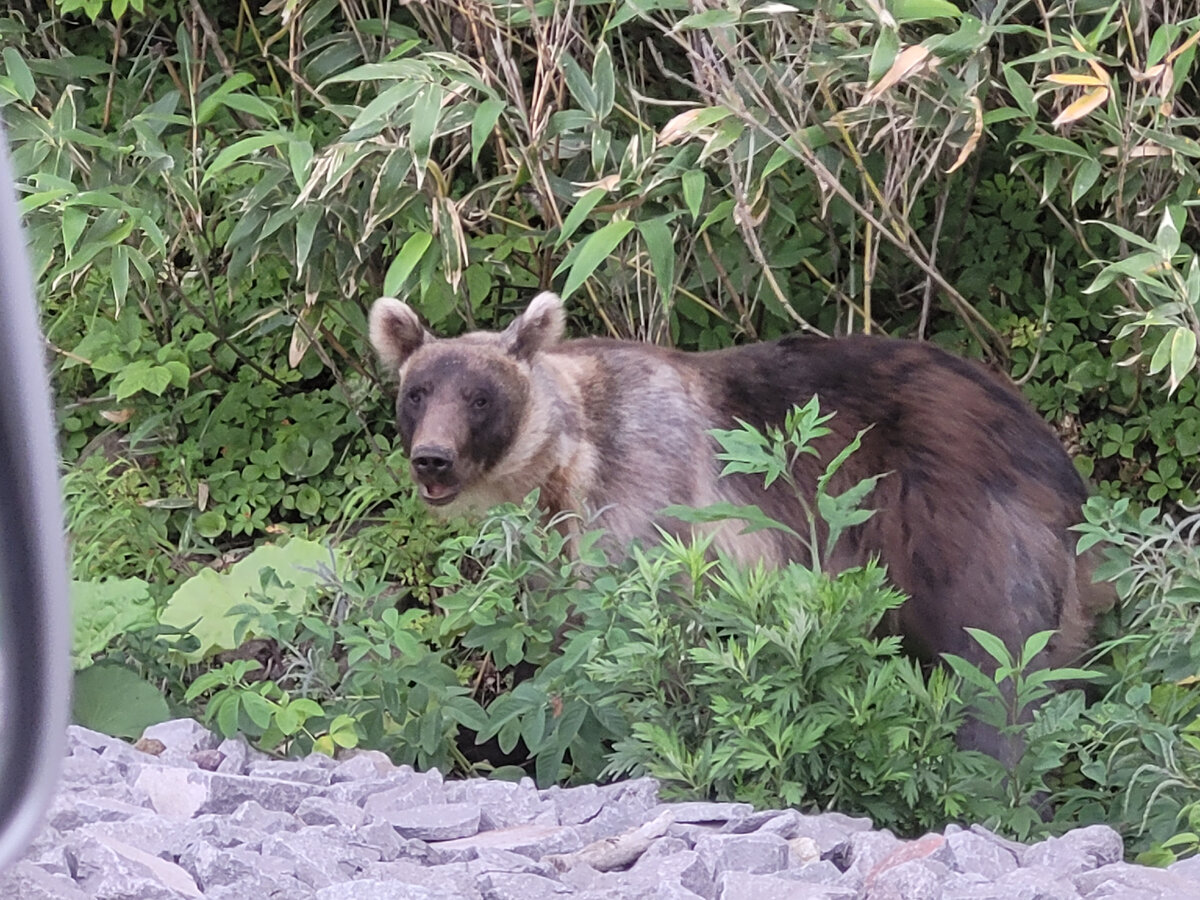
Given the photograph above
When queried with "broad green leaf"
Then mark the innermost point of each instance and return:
(883, 54)
(1020, 90)
(18, 71)
(239, 150)
(603, 81)
(101, 610)
(916, 10)
(1085, 176)
(210, 104)
(207, 596)
(590, 252)
(580, 211)
(306, 227)
(115, 700)
(660, 245)
(693, 191)
(406, 260)
(426, 113)
(487, 114)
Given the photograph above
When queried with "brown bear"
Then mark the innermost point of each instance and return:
(972, 520)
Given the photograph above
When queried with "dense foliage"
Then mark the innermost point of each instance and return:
(214, 195)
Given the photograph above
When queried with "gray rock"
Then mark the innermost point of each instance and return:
(685, 868)
(235, 755)
(967, 852)
(227, 792)
(860, 852)
(433, 822)
(105, 867)
(819, 872)
(172, 791)
(1135, 882)
(519, 886)
(534, 841)
(212, 868)
(749, 886)
(381, 890)
(577, 805)
(915, 879)
(697, 813)
(1035, 883)
(26, 881)
(290, 770)
(503, 804)
(361, 765)
(182, 735)
(71, 811)
(404, 790)
(758, 853)
(323, 811)
(1077, 851)
(320, 856)
(1187, 868)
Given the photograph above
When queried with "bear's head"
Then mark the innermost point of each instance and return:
(461, 401)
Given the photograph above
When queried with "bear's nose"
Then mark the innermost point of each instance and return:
(432, 463)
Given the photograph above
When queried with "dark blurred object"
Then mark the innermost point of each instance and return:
(34, 632)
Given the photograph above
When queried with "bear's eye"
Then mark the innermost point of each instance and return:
(480, 402)
(415, 395)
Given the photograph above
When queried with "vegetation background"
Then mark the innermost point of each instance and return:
(215, 193)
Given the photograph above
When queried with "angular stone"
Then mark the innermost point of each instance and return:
(502, 803)
(914, 879)
(434, 822)
(1187, 868)
(1036, 883)
(758, 853)
(227, 792)
(369, 889)
(520, 886)
(174, 792)
(820, 872)
(685, 868)
(696, 813)
(1077, 851)
(1125, 880)
(534, 841)
(212, 868)
(183, 735)
(253, 815)
(403, 790)
(320, 856)
(323, 811)
(750, 886)
(289, 770)
(107, 867)
(25, 881)
(361, 765)
(576, 805)
(208, 760)
(859, 853)
(71, 811)
(965, 851)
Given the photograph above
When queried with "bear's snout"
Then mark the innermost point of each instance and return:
(433, 468)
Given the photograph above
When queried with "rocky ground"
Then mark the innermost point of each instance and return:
(186, 815)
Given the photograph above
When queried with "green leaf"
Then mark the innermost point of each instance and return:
(306, 226)
(207, 597)
(210, 524)
(580, 211)
(115, 700)
(101, 610)
(210, 104)
(917, 10)
(660, 245)
(590, 252)
(18, 71)
(426, 114)
(1085, 176)
(693, 191)
(308, 500)
(239, 150)
(603, 81)
(482, 123)
(883, 54)
(406, 260)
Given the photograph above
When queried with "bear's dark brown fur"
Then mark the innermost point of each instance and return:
(973, 520)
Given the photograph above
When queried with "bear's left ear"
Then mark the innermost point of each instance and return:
(396, 332)
(540, 326)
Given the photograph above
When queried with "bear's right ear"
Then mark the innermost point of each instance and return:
(396, 332)
(541, 325)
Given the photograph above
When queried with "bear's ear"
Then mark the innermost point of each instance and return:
(396, 332)
(541, 325)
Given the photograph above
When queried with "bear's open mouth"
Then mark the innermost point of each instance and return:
(438, 494)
